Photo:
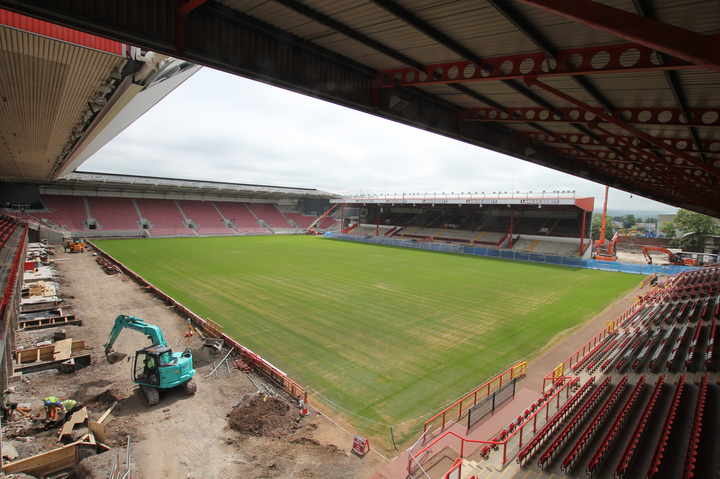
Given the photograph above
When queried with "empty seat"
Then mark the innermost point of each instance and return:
(114, 213)
(240, 216)
(206, 218)
(65, 211)
(164, 217)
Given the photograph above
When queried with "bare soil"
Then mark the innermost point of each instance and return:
(183, 436)
(260, 415)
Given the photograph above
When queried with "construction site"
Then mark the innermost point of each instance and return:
(239, 423)
(155, 327)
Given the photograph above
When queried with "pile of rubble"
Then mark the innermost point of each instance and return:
(261, 415)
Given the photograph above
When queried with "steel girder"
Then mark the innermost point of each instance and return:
(673, 40)
(707, 117)
(711, 147)
(624, 58)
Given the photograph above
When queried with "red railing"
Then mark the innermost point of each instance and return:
(455, 411)
(12, 275)
(455, 471)
(511, 443)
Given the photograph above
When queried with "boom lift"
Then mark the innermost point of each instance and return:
(156, 367)
(604, 250)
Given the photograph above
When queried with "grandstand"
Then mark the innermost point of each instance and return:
(553, 225)
(106, 205)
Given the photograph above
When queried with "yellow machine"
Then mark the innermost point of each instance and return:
(75, 246)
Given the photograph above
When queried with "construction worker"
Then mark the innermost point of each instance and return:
(59, 411)
(52, 408)
(69, 407)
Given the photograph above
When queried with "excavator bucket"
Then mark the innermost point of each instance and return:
(114, 357)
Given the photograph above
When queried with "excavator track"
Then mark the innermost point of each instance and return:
(152, 395)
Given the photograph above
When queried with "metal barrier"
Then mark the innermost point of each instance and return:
(489, 404)
(510, 445)
(575, 262)
(261, 365)
(455, 411)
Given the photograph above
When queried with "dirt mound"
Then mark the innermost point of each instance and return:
(258, 415)
(106, 398)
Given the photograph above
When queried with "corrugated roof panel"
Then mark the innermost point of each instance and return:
(245, 6)
(477, 26)
(33, 25)
(289, 20)
(47, 86)
(565, 33)
(566, 85)
(702, 16)
(702, 88)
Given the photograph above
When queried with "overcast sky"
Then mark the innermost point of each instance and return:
(221, 127)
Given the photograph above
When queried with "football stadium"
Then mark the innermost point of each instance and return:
(290, 332)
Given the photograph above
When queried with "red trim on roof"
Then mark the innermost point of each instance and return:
(586, 204)
(57, 32)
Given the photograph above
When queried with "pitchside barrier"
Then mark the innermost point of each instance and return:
(574, 262)
(259, 364)
(507, 444)
(461, 406)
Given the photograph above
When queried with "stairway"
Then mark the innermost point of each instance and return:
(188, 222)
(228, 224)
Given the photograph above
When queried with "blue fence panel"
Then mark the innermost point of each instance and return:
(512, 255)
(554, 259)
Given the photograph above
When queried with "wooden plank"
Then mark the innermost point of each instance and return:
(52, 322)
(45, 463)
(98, 430)
(51, 461)
(78, 417)
(63, 349)
(81, 360)
(43, 353)
(107, 413)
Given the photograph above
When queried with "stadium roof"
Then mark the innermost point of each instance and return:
(66, 93)
(549, 199)
(107, 183)
(623, 92)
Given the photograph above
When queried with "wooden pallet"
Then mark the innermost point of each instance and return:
(49, 352)
(49, 322)
(67, 365)
(36, 307)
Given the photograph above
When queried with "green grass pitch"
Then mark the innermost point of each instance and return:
(387, 334)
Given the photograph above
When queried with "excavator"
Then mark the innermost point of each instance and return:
(673, 258)
(683, 257)
(156, 367)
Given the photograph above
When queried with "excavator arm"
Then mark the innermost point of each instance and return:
(153, 333)
(672, 257)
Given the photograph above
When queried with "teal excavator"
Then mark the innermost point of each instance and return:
(156, 367)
